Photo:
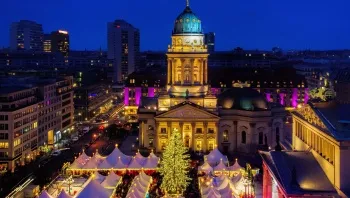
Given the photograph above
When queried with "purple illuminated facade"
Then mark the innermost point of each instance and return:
(138, 94)
(151, 91)
(295, 97)
(126, 96)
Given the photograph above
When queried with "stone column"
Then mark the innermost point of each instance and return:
(192, 71)
(168, 129)
(235, 135)
(193, 136)
(205, 71)
(200, 69)
(182, 71)
(272, 138)
(205, 144)
(252, 136)
(169, 72)
(173, 69)
(181, 130)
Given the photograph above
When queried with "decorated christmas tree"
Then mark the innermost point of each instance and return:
(174, 165)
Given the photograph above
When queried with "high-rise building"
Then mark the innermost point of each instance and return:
(47, 43)
(123, 48)
(26, 35)
(34, 113)
(60, 42)
(209, 39)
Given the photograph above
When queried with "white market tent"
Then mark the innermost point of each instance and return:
(45, 194)
(134, 164)
(63, 194)
(80, 161)
(116, 155)
(220, 167)
(214, 157)
(205, 168)
(114, 161)
(211, 192)
(111, 181)
(94, 161)
(235, 167)
(93, 190)
(98, 177)
(139, 186)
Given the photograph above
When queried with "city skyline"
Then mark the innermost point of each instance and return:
(263, 25)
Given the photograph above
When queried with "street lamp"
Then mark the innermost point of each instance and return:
(69, 181)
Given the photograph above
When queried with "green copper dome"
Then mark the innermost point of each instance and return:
(187, 23)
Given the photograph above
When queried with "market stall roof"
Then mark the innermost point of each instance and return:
(63, 194)
(206, 168)
(221, 166)
(214, 157)
(235, 166)
(45, 194)
(93, 189)
(111, 180)
(98, 177)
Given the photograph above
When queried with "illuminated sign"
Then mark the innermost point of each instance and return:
(62, 32)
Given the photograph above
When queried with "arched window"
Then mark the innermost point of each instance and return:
(244, 137)
(261, 138)
(225, 136)
(277, 134)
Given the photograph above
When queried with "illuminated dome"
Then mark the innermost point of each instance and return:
(187, 23)
(242, 98)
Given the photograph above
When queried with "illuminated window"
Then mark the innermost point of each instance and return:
(17, 142)
(211, 145)
(225, 136)
(4, 144)
(199, 145)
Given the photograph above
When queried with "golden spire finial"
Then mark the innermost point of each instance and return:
(188, 3)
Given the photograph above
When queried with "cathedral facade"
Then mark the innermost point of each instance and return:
(238, 120)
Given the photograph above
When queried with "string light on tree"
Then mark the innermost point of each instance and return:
(174, 165)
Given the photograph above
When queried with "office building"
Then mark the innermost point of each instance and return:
(209, 39)
(60, 42)
(123, 48)
(47, 43)
(26, 35)
(34, 113)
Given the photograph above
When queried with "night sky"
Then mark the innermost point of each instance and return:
(250, 24)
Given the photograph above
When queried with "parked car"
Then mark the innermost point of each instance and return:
(56, 153)
(86, 129)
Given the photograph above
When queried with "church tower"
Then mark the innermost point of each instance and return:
(187, 57)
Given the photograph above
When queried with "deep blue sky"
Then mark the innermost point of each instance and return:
(251, 24)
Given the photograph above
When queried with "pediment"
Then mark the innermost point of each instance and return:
(188, 111)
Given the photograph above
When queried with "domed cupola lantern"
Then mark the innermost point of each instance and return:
(187, 57)
(187, 22)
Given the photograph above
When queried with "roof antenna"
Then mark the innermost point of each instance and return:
(188, 3)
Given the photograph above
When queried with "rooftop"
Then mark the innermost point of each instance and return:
(12, 89)
(335, 116)
(308, 177)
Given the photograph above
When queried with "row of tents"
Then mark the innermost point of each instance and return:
(97, 186)
(116, 161)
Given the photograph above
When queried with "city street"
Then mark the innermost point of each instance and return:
(47, 167)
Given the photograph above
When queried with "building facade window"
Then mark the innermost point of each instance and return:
(198, 130)
(163, 130)
(225, 136)
(244, 137)
(261, 138)
(277, 134)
